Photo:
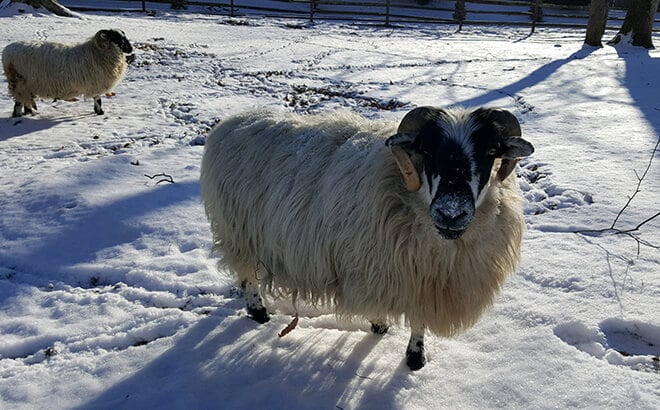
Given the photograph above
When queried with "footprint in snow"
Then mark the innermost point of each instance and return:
(542, 194)
(619, 342)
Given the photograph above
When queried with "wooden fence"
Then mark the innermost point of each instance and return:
(387, 12)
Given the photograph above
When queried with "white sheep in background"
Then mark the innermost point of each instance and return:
(63, 71)
(320, 203)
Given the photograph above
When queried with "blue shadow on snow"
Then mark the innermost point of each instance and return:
(226, 361)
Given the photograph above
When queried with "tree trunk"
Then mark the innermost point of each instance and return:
(638, 24)
(598, 10)
(51, 5)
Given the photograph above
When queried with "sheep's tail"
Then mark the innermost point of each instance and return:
(11, 73)
(13, 77)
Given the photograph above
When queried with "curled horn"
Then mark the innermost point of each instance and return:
(510, 127)
(101, 39)
(407, 168)
(409, 127)
(416, 119)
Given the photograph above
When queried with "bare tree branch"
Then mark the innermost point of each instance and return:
(641, 224)
(630, 232)
(639, 182)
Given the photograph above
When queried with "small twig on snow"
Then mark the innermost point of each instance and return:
(289, 327)
(166, 178)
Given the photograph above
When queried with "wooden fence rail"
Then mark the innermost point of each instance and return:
(387, 12)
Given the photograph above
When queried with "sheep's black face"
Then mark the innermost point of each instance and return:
(458, 149)
(118, 38)
(458, 155)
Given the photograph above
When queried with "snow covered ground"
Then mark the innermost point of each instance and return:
(109, 297)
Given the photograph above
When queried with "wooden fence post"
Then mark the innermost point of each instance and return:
(460, 13)
(387, 12)
(537, 13)
(311, 10)
(231, 10)
(144, 6)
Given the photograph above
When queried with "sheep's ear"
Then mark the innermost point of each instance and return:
(516, 147)
(512, 145)
(402, 148)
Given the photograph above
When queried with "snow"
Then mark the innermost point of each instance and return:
(109, 295)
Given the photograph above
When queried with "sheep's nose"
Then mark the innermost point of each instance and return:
(452, 212)
(451, 221)
(456, 220)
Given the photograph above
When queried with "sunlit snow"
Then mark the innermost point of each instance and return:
(109, 294)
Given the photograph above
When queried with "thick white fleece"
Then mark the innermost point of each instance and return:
(318, 201)
(62, 71)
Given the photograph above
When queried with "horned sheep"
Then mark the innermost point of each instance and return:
(423, 221)
(64, 71)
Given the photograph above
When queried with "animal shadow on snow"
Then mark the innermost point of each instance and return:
(84, 230)
(231, 362)
(16, 127)
(11, 127)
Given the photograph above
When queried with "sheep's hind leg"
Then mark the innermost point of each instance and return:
(415, 357)
(97, 105)
(253, 302)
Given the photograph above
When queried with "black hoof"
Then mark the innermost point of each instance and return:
(415, 360)
(99, 112)
(259, 315)
(379, 328)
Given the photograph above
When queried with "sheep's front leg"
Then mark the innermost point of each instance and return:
(28, 109)
(415, 358)
(18, 109)
(97, 105)
(254, 304)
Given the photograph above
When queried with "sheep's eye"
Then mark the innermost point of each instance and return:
(492, 152)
